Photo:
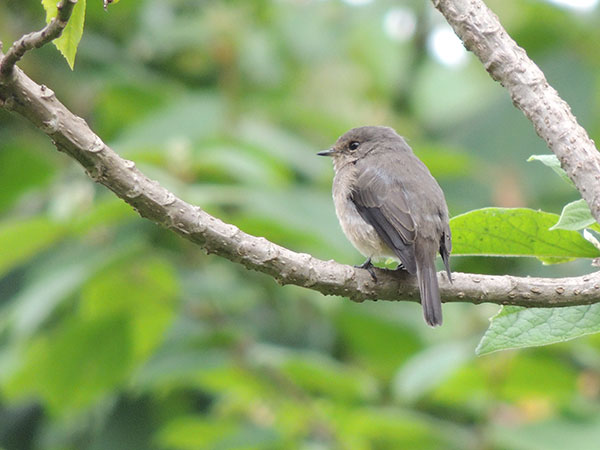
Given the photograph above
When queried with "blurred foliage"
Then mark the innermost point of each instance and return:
(116, 334)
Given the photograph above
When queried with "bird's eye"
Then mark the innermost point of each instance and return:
(353, 145)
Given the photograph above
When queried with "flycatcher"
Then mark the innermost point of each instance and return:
(389, 205)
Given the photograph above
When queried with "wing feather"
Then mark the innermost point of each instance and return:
(381, 201)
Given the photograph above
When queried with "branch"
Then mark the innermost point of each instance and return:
(38, 38)
(481, 32)
(72, 135)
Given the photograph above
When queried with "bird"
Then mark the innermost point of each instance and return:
(390, 206)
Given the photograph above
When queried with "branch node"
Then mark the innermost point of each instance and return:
(135, 190)
(169, 198)
(95, 173)
(51, 125)
(130, 165)
(96, 146)
(46, 92)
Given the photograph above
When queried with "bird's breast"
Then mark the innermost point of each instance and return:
(362, 235)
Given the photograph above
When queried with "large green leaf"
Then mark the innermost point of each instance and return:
(69, 39)
(516, 232)
(516, 327)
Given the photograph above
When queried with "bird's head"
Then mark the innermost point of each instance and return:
(358, 142)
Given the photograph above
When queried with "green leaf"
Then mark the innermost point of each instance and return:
(574, 216)
(105, 213)
(141, 289)
(69, 39)
(555, 381)
(193, 432)
(23, 167)
(74, 366)
(517, 327)
(52, 281)
(361, 426)
(22, 239)
(554, 434)
(516, 232)
(552, 162)
(187, 119)
(380, 343)
(547, 261)
(326, 377)
(281, 144)
(221, 377)
(429, 368)
(175, 366)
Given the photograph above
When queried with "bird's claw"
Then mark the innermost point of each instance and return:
(368, 266)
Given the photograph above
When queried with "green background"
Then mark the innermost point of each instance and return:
(117, 334)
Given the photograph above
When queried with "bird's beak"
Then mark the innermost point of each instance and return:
(326, 152)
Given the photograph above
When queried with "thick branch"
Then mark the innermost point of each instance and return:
(481, 32)
(72, 135)
(38, 38)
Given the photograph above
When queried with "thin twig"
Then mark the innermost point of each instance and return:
(38, 38)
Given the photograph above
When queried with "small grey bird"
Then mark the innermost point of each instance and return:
(389, 205)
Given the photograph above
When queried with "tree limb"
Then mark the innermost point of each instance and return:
(72, 135)
(38, 38)
(481, 32)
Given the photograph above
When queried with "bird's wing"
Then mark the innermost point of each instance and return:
(381, 201)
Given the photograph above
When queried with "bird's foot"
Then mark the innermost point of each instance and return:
(368, 266)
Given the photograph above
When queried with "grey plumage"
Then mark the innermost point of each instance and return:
(389, 205)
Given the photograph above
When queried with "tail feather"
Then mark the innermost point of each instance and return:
(430, 293)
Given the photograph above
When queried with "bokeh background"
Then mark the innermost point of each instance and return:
(117, 334)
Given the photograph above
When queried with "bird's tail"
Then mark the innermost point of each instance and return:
(430, 291)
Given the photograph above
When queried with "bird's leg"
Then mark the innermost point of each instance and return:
(368, 266)
(401, 267)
